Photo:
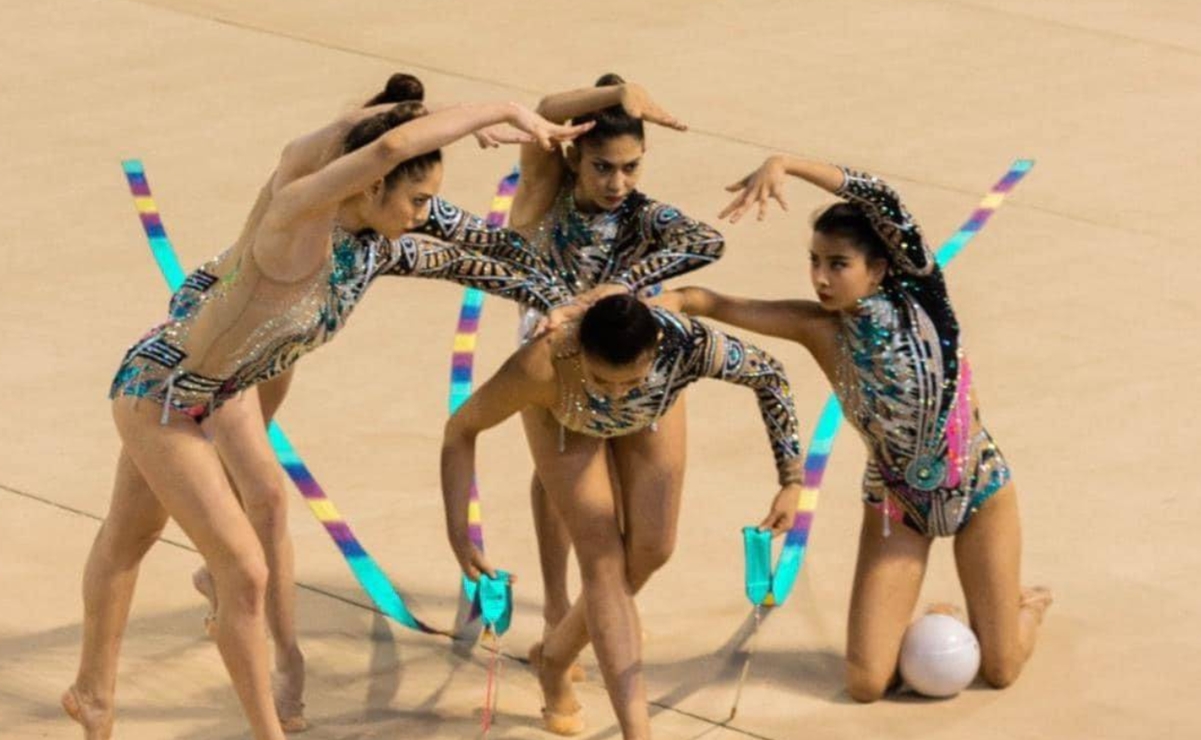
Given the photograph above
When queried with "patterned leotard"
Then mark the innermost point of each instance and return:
(639, 244)
(905, 383)
(231, 327)
(687, 351)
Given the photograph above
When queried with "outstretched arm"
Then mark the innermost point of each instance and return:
(525, 379)
(797, 320)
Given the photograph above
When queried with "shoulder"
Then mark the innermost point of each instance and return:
(533, 363)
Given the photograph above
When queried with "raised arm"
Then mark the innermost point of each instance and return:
(525, 379)
(890, 219)
(880, 203)
(354, 172)
(542, 171)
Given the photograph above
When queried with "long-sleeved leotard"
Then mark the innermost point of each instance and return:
(639, 244)
(231, 327)
(688, 350)
(905, 382)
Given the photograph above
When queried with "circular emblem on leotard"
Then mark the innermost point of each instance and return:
(925, 472)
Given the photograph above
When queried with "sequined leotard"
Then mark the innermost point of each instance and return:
(905, 383)
(688, 350)
(231, 327)
(639, 244)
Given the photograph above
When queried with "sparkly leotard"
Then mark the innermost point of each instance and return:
(905, 383)
(231, 327)
(639, 244)
(687, 351)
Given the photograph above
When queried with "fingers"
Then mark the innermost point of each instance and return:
(778, 194)
(569, 133)
(663, 118)
(778, 522)
(741, 184)
(735, 207)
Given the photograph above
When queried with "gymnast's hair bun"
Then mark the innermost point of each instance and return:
(401, 88)
(612, 78)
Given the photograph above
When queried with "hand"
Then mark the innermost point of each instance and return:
(560, 315)
(472, 561)
(783, 510)
(547, 134)
(755, 189)
(492, 137)
(637, 102)
(573, 311)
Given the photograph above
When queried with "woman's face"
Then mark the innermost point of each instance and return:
(615, 381)
(406, 205)
(841, 273)
(606, 171)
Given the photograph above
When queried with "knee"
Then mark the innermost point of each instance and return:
(267, 505)
(601, 559)
(645, 556)
(865, 685)
(1000, 673)
(242, 584)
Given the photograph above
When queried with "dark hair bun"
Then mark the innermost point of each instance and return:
(612, 78)
(401, 88)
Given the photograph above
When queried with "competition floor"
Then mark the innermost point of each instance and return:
(1075, 302)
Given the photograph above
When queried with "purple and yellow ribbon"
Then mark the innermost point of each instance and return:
(462, 358)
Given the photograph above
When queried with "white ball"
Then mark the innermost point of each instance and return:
(939, 655)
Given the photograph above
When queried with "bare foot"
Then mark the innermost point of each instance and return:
(1036, 600)
(94, 716)
(562, 714)
(202, 581)
(289, 691)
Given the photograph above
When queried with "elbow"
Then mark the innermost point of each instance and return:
(394, 147)
(717, 245)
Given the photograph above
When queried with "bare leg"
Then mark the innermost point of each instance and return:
(650, 467)
(135, 520)
(182, 469)
(577, 482)
(888, 579)
(251, 465)
(270, 396)
(554, 543)
(1006, 618)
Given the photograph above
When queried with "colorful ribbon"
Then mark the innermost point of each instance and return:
(763, 587)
